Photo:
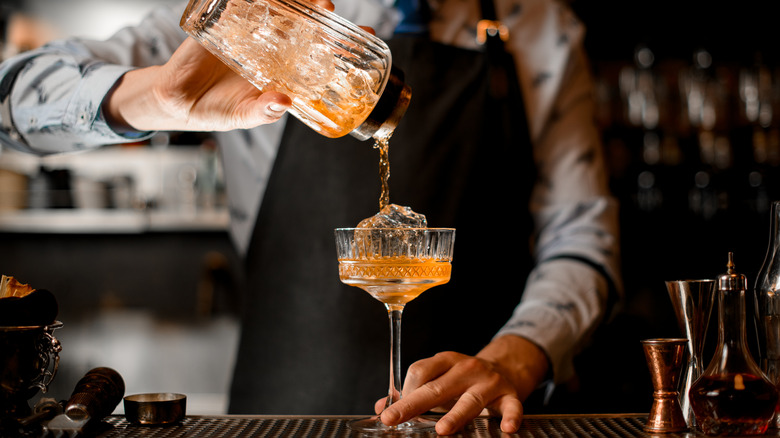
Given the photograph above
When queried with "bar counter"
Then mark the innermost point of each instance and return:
(605, 425)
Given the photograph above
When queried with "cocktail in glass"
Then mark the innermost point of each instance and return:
(394, 265)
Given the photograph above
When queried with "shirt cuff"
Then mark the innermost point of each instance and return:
(87, 115)
(545, 328)
(130, 135)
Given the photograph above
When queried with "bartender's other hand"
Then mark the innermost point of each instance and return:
(496, 381)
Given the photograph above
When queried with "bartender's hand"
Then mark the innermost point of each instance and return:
(496, 381)
(192, 91)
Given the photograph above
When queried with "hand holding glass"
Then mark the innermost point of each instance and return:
(394, 265)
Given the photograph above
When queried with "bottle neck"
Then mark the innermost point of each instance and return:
(773, 248)
(732, 354)
(731, 319)
(774, 238)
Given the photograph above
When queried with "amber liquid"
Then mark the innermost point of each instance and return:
(394, 280)
(383, 144)
(733, 404)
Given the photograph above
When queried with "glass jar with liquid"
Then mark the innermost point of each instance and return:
(732, 396)
(339, 77)
(767, 302)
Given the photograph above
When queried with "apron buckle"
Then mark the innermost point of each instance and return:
(492, 28)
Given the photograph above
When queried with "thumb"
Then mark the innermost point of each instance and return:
(267, 108)
(379, 406)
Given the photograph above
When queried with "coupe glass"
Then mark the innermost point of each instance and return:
(394, 265)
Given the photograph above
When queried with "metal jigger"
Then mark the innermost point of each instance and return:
(665, 361)
(692, 301)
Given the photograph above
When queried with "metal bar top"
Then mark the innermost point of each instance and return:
(230, 426)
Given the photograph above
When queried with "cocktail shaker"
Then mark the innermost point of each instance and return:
(339, 77)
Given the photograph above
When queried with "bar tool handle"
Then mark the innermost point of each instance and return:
(96, 394)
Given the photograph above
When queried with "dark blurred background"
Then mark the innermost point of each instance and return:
(689, 104)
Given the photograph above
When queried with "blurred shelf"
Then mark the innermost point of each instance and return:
(94, 221)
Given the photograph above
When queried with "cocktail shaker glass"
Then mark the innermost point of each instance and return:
(339, 77)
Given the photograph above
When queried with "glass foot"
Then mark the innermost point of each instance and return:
(374, 424)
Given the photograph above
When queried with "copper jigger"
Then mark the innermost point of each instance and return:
(665, 361)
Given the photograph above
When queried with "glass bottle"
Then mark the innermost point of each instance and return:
(767, 302)
(339, 77)
(732, 396)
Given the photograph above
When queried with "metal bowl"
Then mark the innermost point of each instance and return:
(155, 409)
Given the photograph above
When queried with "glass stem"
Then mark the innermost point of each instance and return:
(394, 312)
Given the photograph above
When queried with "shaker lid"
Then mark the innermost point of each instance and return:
(731, 280)
(387, 113)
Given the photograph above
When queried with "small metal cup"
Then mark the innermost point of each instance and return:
(665, 360)
(155, 409)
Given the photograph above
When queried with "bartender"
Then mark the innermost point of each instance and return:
(502, 148)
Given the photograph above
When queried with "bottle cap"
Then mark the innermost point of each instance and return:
(388, 111)
(732, 280)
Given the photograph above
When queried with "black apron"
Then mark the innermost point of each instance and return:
(461, 156)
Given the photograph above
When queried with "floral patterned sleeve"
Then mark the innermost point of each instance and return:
(575, 284)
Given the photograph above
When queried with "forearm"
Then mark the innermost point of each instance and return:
(130, 105)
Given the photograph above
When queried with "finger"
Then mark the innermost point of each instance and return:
(471, 404)
(431, 383)
(379, 406)
(327, 4)
(269, 108)
(430, 395)
(468, 406)
(275, 110)
(511, 410)
(428, 369)
(369, 29)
